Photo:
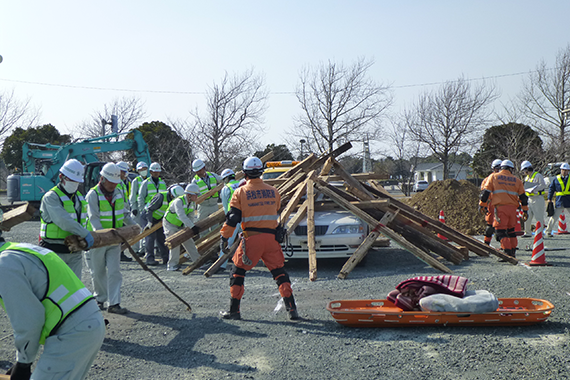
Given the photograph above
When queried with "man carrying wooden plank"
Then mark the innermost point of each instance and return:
(63, 212)
(48, 305)
(106, 209)
(256, 206)
(179, 215)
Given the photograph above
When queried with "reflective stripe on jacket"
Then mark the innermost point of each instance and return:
(111, 215)
(51, 230)
(172, 217)
(530, 179)
(204, 187)
(159, 213)
(259, 204)
(151, 188)
(505, 189)
(65, 292)
(564, 190)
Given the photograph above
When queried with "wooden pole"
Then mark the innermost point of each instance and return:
(311, 230)
(181, 236)
(16, 216)
(102, 238)
(142, 235)
(214, 268)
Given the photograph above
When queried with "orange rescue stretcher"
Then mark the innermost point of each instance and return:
(383, 313)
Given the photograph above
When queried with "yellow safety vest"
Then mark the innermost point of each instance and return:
(172, 217)
(159, 213)
(202, 184)
(121, 185)
(53, 231)
(151, 188)
(111, 217)
(529, 179)
(565, 190)
(65, 292)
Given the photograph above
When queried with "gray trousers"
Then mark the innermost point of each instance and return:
(105, 266)
(70, 352)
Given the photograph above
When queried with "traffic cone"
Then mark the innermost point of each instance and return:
(518, 228)
(538, 252)
(442, 219)
(562, 230)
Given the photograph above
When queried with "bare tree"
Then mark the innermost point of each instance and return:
(544, 96)
(340, 103)
(234, 109)
(129, 111)
(450, 120)
(15, 113)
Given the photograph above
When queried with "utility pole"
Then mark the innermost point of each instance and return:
(366, 161)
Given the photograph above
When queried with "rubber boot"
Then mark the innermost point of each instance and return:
(234, 310)
(291, 307)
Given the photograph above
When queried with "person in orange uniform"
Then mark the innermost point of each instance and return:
(507, 192)
(255, 205)
(490, 214)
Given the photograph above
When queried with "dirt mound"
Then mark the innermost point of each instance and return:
(459, 201)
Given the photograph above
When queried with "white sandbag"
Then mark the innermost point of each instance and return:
(475, 301)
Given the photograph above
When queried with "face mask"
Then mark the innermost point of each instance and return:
(143, 173)
(70, 187)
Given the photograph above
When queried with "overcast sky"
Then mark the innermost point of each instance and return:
(72, 57)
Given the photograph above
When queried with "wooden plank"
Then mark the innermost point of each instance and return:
(209, 254)
(102, 238)
(142, 235)
(178, 238)
(322, 187)
(215, 266)
(297, 218)
(359, 254)
(212, 238)
(16, 216)
(327, 167)
(311, 230)
(357, 176)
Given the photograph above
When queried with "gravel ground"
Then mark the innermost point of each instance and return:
(159, 339)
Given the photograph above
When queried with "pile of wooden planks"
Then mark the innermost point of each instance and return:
(361, 195)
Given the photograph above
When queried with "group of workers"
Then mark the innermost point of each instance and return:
(503, 195)
(41, 288)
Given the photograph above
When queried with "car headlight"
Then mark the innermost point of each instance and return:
(351, 229)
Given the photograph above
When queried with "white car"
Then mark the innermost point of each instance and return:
(337, 235)
(420, 186)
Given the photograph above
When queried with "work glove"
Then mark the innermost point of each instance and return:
(550, 209)
(89, 240)
(196, 230)
(525, 216)
(20, 371)
(148, 226)
(224, 244)
(135, 212)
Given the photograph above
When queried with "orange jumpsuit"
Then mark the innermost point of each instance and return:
(255, 205)
(507, 192)
(490, 216)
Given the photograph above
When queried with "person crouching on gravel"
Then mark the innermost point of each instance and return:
(255, 205)
(508, 193)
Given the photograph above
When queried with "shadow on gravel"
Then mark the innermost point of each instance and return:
(177, 352)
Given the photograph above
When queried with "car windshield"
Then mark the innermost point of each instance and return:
(271, 175)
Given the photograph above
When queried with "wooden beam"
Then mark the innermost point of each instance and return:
(16, 216)
(322, 187)
(359, 254)
(102, 238)
(311, 230)
(214, 268)
(297, 218)
(142, 235)
(181, 236)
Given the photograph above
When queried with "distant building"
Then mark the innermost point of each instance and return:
(434, 172)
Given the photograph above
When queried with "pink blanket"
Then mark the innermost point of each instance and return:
(408, 293)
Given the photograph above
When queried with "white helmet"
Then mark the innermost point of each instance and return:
(73, 170)
(111, 172)
(123, 166)
(496, 163)
(507, 164)
(192, 189)
(176, 191)
(525, 165)
(565, 166)
(155, 167)
(141, 165)
(253, 167)
(227, 172)
(197, 164)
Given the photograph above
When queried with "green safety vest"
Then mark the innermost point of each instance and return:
(111, 216)
(151, 188)
(529, 179)
(565, 191)
(139, 180)
(172, 217)
(159, 213)
(202, 184)
(232, 185)
(51, 230)
(121, 185)
(65, 293)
